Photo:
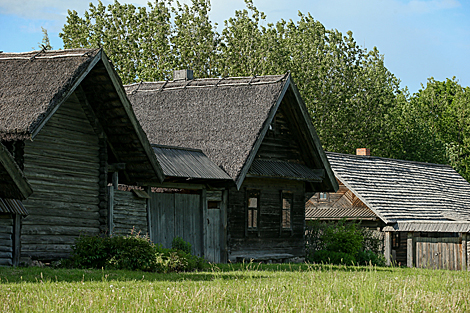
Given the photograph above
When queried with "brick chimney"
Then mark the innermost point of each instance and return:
(363, 151)
(183, 75)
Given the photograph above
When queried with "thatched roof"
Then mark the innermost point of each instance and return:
(226, 118)
(404, 191)
(33, 85)
(13, 184)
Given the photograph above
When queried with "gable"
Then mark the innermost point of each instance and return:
(280, 142)
(34, 85)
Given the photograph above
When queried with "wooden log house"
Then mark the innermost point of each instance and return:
(13, 188)
(71, 128)
(258, 131)
(421, 209)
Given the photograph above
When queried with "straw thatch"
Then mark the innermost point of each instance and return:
(33, 85)
(225, 118)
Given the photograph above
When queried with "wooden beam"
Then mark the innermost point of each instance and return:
(116, 167)
(409, 249)
(149, 213)
(115, 180)
(16, 239)
(387, 248)
(205, 221)
(464, 252)
(110, 210)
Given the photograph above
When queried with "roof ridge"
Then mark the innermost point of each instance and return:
(384, 158)
(217, 83)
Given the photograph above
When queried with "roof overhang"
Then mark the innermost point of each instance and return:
(430, 226)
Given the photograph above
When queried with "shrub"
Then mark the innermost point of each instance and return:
(332, 257)
(370, 258)
(133, 252)
(179, 244)
(343, 243)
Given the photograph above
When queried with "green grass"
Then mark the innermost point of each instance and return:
(236, 288)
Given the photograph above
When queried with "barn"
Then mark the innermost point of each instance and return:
(421, 209)
(66, 120)
(258, 131)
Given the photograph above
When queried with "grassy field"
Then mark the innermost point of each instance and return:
(236, 288)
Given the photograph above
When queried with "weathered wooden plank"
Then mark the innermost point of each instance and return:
(409, 250)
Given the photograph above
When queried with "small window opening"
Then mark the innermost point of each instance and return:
(395, 240)
(287, 201)
(323, 196)
(253, 208)
(214, 205)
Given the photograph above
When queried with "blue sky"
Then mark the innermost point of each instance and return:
(419, 38)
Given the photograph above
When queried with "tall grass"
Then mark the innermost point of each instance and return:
(236, 288)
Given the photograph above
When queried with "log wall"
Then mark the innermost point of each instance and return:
(62, 165)
(271, 241)
(129, 213)
(6, 239)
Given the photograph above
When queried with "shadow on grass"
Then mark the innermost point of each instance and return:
(235, 271)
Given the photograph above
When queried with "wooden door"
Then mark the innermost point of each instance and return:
(439, 253)
(176, 215)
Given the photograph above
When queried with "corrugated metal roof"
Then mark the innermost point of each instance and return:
(12, 206)
(187, 163)
(268, 168)
(313, 213)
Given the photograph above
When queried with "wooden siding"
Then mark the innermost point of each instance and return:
(177, 215)
(62, 166)
(6, 239)
(129, 213)
(280, 142)
(270, 241)
(439, 253)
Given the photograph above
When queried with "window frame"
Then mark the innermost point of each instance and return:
(288, 195)
(255, 211)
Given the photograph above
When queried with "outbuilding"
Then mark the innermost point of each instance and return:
(421, 209)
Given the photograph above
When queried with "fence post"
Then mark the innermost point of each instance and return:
(409, 249)
(464, 252)
(387, 248)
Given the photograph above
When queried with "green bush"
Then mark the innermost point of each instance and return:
(133, 252)
(342, 243)
(179, 244)
(332, 257)
(370, 258)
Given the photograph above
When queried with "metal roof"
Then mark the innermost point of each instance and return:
(431, 226)
(268, 168)
(187, 163)
(12, 206)
(313, 213)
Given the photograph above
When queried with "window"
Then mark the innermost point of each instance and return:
(252, 209)
(323, 196)
(287, 202)
(395, 240)
(215, 205)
